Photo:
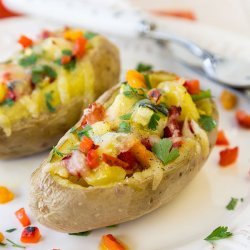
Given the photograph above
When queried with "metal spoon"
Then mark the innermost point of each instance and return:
(231, 72)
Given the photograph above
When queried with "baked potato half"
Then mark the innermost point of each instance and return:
(133, 150)
(44, 87)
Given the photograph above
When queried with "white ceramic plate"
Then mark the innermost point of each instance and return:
(182, 224)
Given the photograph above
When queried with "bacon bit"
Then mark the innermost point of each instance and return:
(193, 87)
(25, 41)
(94, 113)
(135, 79)
(228, 100)
(222, 139)
(5, 195)
(113, 161)
(65, 59)
(80, 47)
(173, 129)
(1, 237)
(228, 156)
(30, 235)
(243, 118)
(92, 159)
(86, 144)
(154, 95)
(185, 14)
(130, 159)
(11, 95)
(45, 34)
(146, 143)
(109, 242)
(22, 217)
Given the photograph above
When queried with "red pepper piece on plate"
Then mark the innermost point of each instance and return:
(111, 243)
(243, 118)
(192, 86)
(222, 139)
(22, 217)
(25, 41)
(228, 156)
(30, 235)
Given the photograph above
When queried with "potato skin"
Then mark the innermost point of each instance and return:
(75, 209)
(34, 135)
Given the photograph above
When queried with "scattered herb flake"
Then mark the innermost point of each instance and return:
(86, 233)
(218, 234)
(147, 81)
(15, 245)
(232, 204)
(84, 132)
(67, 52)
(48, 100)
(153, 122)
(9, 102)
(164, 151)
(40, 72)
(207, 122)
(89, 35)
(112, 226)
(132, 92)
(28, 60)
(162, 108)
(124, 127)
(70, 65)
(241, 199)
(143, 67)
(126, 116)
(10, 230)
(202, 95)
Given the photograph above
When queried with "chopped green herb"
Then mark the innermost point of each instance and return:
(86, 233)
(9, 102)
(202, 95)
(164, 151)
(15, 245)
(84, 132)
(147, 81)
(67, 52)
(153, 122)
(40, 72)
(132, 92)
(241, 199)
(112, 226)
(162, 108)
(48, 100)
(126, 116)
(68, 66)
(28, 60)
(124, 127)
(73, 129)
(232, 204)
(89, 35)
(10, 230)
(218, 234)
(54, 152)
(207, 122)
(142, 67)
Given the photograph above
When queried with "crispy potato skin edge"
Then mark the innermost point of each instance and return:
(33, 135)
(71, 210)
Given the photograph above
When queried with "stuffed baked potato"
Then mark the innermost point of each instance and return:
(44, 87)
(133, 150)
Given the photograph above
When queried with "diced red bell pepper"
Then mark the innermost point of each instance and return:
(243, 118)
(192, 86)
(22, 217)
(80, 47)
(222, 139)
(228, 156)
(30, 235)
(25, 41)
(111, 243)
(65, 59)
(92, 159)
(86, 144)
(113, 161)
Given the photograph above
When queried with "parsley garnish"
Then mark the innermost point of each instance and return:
(241, 199)
(202, 95)
(40, 72)
(48, 100)
(67, 52)
(142, 67)
(111, 226)
(9, 102)
(84, 132)
(132, 92)
(10, 230)
(89, 35)
(86, 233)
(232, 204)
(68, 66)
(126, 116)
(28, 60)
(124, 127)
(15, 245)
(164, 151)
(147, 81)
(153, 122)
(207, 122)
(218, 234)
(162, 108)
(54, 152)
